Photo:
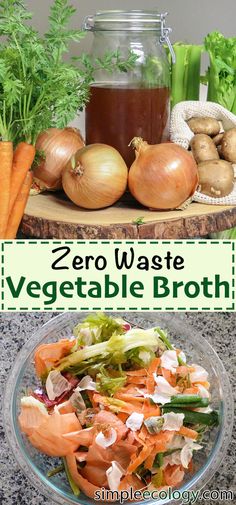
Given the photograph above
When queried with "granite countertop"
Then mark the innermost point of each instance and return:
(15, 329)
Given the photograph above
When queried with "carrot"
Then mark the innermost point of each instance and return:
(122, 416)
(130, 481)
(87, 487)
(6, 160)
(183, 370)
(136, 380)
(173, 475)
(138, 460)
(137, 373)
(160, 440)
(150, 460)
(125, 407)
(169, 377)
(151, 370)
(50, 436)
(130, 398)
(90, 395)
(47, 355)
(187, 432)
(151, 411)
(22, 161)
(191, 391)
(205, 384)
(155, 363)
(19, 207)
(191, 466)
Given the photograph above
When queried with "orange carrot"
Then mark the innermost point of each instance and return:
(191, 466)
(183, 370)
(90, 395)
(173, 475)
(151, 370)
(19, 207)
(6, 160)
(169, 377)
(47, 355)
(126, 407)
(136, 380)
(22, 161)
(138, 460)
(191, 391)
(137, 373)
(149, 411)
(154, 365)
(187, 432)
(205, 384)
(150, 460)
(130, 398)
(122, 416)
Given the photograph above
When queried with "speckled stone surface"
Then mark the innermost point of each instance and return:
(218, 328)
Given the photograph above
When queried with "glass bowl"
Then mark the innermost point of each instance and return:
(197, 349)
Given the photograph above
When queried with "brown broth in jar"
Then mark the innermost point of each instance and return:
(115, 115)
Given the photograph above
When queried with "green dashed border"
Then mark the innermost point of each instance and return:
(115, 242)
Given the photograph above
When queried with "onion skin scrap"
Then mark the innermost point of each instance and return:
(163, 176)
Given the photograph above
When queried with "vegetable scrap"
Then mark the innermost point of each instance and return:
(120, 406)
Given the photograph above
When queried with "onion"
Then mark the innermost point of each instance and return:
(57, 146)
(95, 177)
(163, 176)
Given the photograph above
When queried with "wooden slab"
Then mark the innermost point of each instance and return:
(53, 216)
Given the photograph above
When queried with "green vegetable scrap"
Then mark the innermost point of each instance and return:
(185, 73)
(221, 74)
(109, 382)
(101, 327)
(139, 220)
(75, 489)
(224, 235)
(194, 417)
(115, 351)
(39, 89)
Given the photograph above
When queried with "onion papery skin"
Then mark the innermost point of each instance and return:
(57, 145)
(163, 176)
(96, 177)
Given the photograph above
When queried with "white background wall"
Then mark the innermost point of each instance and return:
(191, 19)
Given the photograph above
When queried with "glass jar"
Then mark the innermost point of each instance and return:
(135, 103)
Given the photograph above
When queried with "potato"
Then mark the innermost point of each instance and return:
(203, 148)
(228, 145)
(216, 178)
(206, 125)
(218, 139)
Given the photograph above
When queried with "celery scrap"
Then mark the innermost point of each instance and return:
(113, 351)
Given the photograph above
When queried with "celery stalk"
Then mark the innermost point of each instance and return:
(194, 72)
(116, 348)
(186, 73)
(178, 75)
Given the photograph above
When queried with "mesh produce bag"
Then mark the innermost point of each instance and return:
(181, 134)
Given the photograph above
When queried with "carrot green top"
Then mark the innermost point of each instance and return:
(38, 87)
